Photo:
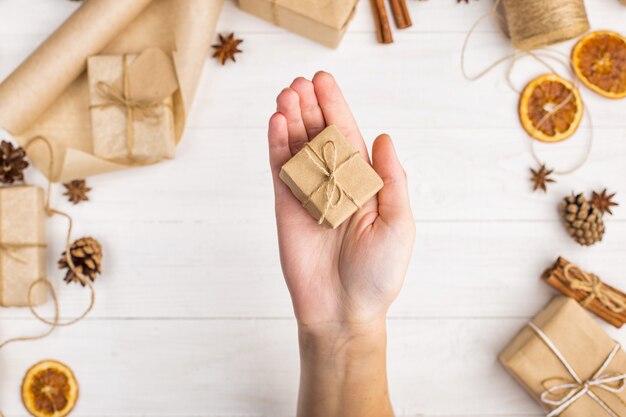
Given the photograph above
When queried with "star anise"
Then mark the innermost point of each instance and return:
(227, 48)
(603, 201)
(76, 191)
(541, 178)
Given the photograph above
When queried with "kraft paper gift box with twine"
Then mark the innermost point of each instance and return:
(48, 94)
(323, 21)
(22, 245)
(131, 104)
(568, 363)
(330, 178)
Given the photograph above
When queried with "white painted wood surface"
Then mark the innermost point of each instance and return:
(192, 316)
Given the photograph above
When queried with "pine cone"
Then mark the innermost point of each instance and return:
(86, 255)
(583, 221)
(12, 163)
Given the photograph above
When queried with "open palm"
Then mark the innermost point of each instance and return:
(352, 273)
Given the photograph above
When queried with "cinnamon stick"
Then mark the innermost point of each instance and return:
(383, 29)
(400, 13)
(555, 277)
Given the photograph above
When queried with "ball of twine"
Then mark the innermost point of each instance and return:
(537, 23)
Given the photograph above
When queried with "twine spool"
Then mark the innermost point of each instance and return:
(538, 23)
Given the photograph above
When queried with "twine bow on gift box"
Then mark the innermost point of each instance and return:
(134, 107)
(592, 284)
(327, 163)
(563, 395)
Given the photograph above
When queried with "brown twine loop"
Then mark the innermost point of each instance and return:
(327, 163)
(83, 279)
(541, 56)
(592, 284)
(134, 108)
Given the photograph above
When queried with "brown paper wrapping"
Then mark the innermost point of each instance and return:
(324, 21)
(306, 179)
(48, 94)
(150, 78)
(582, 343)
(22, 245)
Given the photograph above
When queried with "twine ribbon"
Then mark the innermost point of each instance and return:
(564, 395)
(133, 107)
(11, 249)
(56, 322)
(541, 57)
(592, 284)
(333, 190)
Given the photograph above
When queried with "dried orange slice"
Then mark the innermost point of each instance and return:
(599, 60)
(550, 108)
(49, 389)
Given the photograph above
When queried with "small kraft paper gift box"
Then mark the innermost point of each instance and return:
(131, 105)
(22, 245)
(323, 21)
(568, 363)
(330, 178)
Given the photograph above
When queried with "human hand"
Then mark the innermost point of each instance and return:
(350, 275)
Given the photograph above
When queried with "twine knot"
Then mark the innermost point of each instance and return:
(145, 108)
(592, 285)
(327, 163)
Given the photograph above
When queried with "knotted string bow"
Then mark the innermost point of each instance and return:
(591, 284)
(563, 395)
(327, 163)
(133, 107)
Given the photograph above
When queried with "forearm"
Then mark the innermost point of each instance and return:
(343, 371)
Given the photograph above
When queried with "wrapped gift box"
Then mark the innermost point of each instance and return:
(22, 245)
(131, 106)
(324, 21)
(563, 336)
(331, 201)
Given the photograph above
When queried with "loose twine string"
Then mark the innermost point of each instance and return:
(56, 322)
(590, 283)
(571, 392)
(541, 56)
(327, 163)
(133, 107)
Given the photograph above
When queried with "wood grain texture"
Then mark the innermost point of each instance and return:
(192, 315)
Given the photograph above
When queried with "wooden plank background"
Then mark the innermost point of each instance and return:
(192, 316)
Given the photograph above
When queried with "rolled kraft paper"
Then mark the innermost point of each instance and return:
(48, 94)
(62, 58)
(537, 23)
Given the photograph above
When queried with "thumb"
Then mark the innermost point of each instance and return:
(393, 198)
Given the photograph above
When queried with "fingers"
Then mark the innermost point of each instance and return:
(278, 139)
(336, 110)
(288, 103)
(393, 199)
(312, 115)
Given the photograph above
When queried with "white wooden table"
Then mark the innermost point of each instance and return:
(192, 316)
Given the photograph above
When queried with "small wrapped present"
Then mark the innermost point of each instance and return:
(324, 21)
(132, 107)
(568, 363)
(22, 245)
(330, 178)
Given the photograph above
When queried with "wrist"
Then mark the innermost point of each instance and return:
(342, 341)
